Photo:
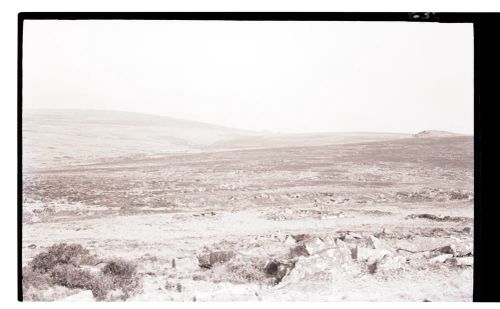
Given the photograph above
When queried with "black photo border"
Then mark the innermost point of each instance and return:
(486, 94)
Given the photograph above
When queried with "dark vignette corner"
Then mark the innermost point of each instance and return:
(20, 23)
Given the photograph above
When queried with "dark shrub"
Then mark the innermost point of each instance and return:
(120, 268)
(123, 275)
(73, 254)
(34, 278)
(101, 286)
(60, 265)
(72, 277)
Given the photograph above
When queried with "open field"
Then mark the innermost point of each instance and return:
(386, 220)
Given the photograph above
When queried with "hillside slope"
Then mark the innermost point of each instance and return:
(53, 137)
(57, 138)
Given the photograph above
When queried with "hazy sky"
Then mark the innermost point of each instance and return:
(272, 76)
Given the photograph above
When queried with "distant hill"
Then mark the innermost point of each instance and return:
(305, 140)
(80, 136)
(435, 133)
(55, 138)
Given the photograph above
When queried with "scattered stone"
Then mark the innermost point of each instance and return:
(384, 232)
(355, 235)
(337, 256)
(320, 266)
(449, 249)
(375, 243)
(369, 255)
(298, 250)
(462, 261)
(439, 218)
(464, 251)
(32, 246)
(301, 237)
(329, 241)
(309, 247)
(392, 262)
(342, 245)
(440, 258)
(314, 245)
(289, 240)
(348, 238)
(208, 260)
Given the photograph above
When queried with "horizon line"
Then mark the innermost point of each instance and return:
(242, 129)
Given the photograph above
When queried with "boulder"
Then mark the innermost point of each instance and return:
(449, 249)
(462, 261)
(329, 241)
(308, 247)
(341, 244)
(392, 262)
(464, 250)
(348, 237)
(289, 240)
(384, 232)
(369, 255)
(298, 250)
(318, 267)
(301, 237)
(343, 248)
(314, 245)
(440, 258)
(375, 243)
(336, 256)
(209, 259)
(355, 235)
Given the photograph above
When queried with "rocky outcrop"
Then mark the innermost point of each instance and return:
(209, 259)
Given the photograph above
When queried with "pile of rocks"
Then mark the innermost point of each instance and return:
(445, 254)
(434, 194)
(439, 218)
(347, 253)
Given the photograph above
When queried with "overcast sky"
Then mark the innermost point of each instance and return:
(266, 76)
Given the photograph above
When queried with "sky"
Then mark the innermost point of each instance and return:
(275, 76)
